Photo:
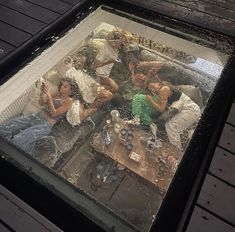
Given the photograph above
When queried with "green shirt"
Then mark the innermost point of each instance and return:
(143, 108)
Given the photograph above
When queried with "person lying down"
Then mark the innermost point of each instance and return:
(25, 131)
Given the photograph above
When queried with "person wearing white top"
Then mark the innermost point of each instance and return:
(187, 112)
(92, 92)
(105, 58)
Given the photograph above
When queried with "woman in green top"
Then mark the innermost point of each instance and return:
(147, 106)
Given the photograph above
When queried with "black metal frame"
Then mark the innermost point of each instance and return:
(186, 183)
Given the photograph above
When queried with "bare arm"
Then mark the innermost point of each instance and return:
(131, 67)
(43, 96)
(159, 106)
(151, 64)
(97, 63)
(54, 112)
(86, 112)
(151, 73)
(60, 110)
(42, 99)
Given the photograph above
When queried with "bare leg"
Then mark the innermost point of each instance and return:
(103, 97)
(86, 112)
(109, 84)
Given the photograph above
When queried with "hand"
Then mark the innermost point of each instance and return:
(42, 89)
(140, 77)
(46, 91)
(42, 86)
(167, 115)
(149, 98)
(92, 110)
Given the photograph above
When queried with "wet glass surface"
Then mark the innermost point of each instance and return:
(115, 114)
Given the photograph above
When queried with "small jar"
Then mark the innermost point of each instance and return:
(115, 116)
(117, 128)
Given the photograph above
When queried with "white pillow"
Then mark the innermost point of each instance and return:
(193, 92)
(31, 109)
(33, 106)
(73, 114)
(52, 80)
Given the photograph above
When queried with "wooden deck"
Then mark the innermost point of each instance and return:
(214, 209)
(216, 15)
(24, 22)
(16, 215)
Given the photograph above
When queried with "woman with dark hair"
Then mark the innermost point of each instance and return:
(146, 107)
(25, 131)
(144, 72)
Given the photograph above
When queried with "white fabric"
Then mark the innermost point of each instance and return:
(189, 113)
(105, 54)
(179, 105)
(88, 87)
(104, 71)
(73, 114)
(193, 92)
(31, 108)
(52, 80)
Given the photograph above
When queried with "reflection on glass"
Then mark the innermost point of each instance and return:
(114, 118)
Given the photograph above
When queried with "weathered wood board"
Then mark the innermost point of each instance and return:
(218, 197)
(202, 221)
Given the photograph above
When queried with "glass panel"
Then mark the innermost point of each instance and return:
(111, 107)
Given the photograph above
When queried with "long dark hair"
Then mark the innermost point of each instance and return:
(75, 92)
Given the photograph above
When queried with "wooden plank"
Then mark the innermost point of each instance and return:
(20, 217)
(3, 228)
(202, 221)
(147, 167)
(226, 4)
(188, 15)
(53, 5)
(136, 202)
(74, 2)
(5, 49)
(81, 169)
(231, 116)
(227, 139)
(218, 197)
(20, 21)
(12, 35)
(17, 218)
(31, 10)
(222, 165)
(207, 8)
